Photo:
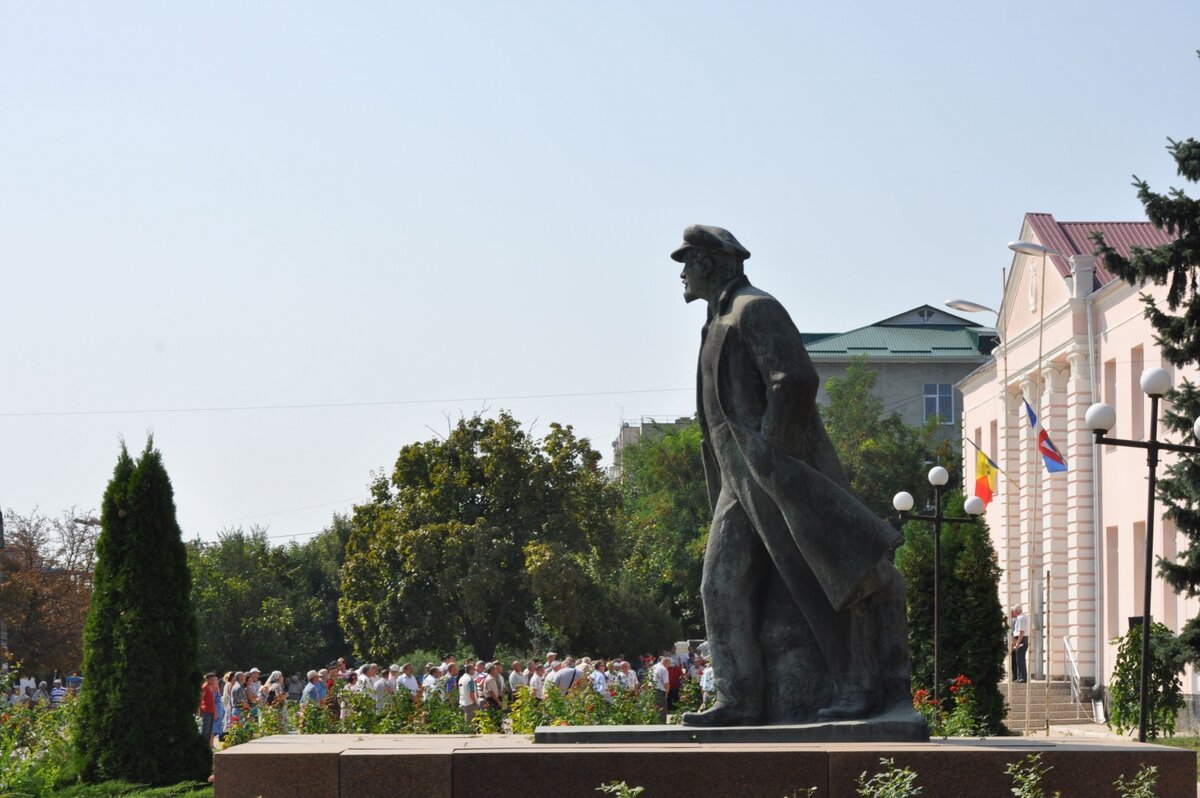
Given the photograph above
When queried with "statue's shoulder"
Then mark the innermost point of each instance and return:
(750, 300)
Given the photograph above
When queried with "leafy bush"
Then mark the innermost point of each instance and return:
(1166, 692)
(965, 719)
(35, 746)
(583, 706)
(1140, 786)
(1027, 774)
(891, 782)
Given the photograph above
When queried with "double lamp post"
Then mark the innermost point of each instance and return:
(903, 502)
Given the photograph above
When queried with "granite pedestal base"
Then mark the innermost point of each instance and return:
(508, 766)
(900, 725)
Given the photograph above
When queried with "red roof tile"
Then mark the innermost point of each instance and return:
(1072, 238)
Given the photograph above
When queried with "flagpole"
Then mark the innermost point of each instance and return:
(999, 470)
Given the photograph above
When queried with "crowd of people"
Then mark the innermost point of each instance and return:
(474, 685)
(29, 692)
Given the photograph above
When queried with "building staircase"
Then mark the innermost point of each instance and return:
(1027, 705)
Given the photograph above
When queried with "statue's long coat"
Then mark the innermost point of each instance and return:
(764, 440)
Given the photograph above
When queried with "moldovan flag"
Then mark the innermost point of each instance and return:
(985, 477)
(1051, 456)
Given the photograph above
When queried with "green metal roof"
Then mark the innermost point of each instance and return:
(932, 342)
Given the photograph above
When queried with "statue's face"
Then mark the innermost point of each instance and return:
(699, 277)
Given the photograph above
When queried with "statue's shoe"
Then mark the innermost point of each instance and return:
(850, 706)
(721, 715)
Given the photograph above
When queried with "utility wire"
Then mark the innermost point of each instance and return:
(319, 405)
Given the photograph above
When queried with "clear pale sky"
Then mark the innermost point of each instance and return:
(372, 217)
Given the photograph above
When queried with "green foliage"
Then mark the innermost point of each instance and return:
(1027, 774)
(490, 535)
(1140, 786)
(1172, 264)
(881, 454)
(1177, 327)
(964, 719)
(891, 782)
(972, 624)
(261, 603)
(35, 747)
(667, 514)
(583, 706)
(140, 639)
(355, 712)
(123, 789)
(620, 789)
(1165, 689)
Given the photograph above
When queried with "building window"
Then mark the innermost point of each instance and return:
(1110, 390)
(1112, 581)
(939, 401)
(1170, 609)
(1137, 408)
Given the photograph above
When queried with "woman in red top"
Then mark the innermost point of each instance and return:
(675, 674)
(208, 707)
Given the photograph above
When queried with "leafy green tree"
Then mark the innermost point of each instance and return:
(667, 516)
(269, 605)
(1165, 696)
(1178, 335)
(972, 624)
(881, 454)
(487, 535)
(136, 717)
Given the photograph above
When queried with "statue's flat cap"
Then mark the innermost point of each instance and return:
(712, 239)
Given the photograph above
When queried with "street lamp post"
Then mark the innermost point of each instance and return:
(1100, 419)
(903, 502)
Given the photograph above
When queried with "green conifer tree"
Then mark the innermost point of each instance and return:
(1178, 335)
(971, 624)
(136, 714)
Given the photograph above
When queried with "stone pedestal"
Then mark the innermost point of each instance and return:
(901, 724)
(508, 766)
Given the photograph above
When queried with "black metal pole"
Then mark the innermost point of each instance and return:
(1152, 463)
(937, 581)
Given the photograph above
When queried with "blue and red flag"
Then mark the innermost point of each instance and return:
(1051, 456)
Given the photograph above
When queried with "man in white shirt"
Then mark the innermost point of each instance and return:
(552, 669)
(467, 701)
(407, 679)
(429, 685)
(662, 685)
(1020, 644)
(537, 682)
(600, 681)
(383, 689)
(516, 679)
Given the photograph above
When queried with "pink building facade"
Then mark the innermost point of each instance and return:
(1071, 545)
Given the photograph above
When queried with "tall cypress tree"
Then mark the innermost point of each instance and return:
(136, 713)
(1178, 335)
(971, 625)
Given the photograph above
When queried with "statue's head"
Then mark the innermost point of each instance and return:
(711, 257)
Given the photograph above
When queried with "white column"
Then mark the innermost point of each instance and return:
(1054, 514)
(1081, 501)
(1009, 552)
